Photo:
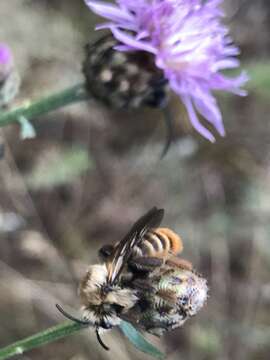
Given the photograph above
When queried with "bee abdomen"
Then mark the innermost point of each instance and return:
(159, 242)
(174, 240)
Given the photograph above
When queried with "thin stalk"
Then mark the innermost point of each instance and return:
(42, 106)
(41, 338)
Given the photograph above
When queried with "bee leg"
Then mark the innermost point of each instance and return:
(159, 326)
(156, 331)
(155, 327)
(143, 285)
(179, 263)
(144, 264)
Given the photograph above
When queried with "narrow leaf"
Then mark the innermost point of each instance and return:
(44, 337)
(136, 338)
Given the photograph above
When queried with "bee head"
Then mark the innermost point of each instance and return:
(103, 302)
(94, 279)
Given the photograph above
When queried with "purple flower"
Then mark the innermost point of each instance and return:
(190, 44)
(9, 77)
(6, 61)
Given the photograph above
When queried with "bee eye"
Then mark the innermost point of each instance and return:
(105, 251)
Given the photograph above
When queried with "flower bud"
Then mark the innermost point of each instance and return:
(123, 79)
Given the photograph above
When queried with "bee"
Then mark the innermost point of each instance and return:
(141, 280)
(126, 80)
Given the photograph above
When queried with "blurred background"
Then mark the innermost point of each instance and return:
(91, 172)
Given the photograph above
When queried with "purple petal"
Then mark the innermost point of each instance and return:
(195, 121)
(109, 11)
(229, 63)
(233, 85)
(210, 111)
(132, 42)
(5, 54)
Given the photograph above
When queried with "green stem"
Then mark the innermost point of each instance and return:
(41, 338)
(44, 105)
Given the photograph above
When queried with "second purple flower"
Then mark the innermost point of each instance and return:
(190, 44)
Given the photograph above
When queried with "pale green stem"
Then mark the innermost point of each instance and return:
(44, 105)
(41, 338)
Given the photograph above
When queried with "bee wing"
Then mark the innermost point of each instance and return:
(123, 250)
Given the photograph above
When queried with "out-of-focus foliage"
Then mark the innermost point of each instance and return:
(58, 167)
(259, 73)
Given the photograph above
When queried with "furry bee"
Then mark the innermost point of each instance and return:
(142, 280)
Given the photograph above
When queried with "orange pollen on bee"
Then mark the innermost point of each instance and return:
(175, 243)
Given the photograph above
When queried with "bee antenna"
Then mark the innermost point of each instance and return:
(70, 317)
(100, 341)
(170, 129)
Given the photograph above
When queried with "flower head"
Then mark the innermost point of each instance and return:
(190, 44)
